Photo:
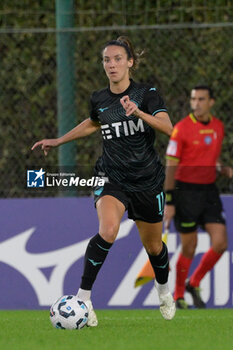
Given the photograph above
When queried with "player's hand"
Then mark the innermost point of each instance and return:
(129, 106)
(46, 145)
(229, 172)
(169, 213)
(226, 171)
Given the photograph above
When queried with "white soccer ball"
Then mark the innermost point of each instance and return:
(69, 312)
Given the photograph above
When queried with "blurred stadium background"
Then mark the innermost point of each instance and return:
(186, 42)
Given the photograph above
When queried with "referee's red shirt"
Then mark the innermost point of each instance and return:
(197, 146)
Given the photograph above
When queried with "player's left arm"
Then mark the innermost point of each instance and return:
(161, 123)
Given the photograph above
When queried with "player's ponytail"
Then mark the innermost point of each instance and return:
(135, 55)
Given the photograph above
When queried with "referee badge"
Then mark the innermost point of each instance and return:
(208, 140)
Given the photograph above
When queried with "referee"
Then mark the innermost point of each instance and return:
(128, 114)
(191, 195)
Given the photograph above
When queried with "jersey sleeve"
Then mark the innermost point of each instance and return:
(222, 131)
(93, 109)
(174, 147)
(221, 136)
(153, 102)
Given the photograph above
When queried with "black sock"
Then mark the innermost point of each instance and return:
(160, 265)
(96, 253)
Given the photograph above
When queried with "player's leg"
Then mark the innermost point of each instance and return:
(146, 209)
(214, 224)
(151, 237)
(188, 247)
(218, 237)
(110, 211)
(189, 207)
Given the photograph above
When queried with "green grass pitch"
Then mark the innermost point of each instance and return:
(121, 329)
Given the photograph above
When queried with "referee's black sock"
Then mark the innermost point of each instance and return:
(96, 252)
(160, 264)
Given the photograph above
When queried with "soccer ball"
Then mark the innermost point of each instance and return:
(69, 312)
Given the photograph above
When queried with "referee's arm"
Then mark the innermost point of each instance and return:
(169, 209)
(223, 169)
(171, 166)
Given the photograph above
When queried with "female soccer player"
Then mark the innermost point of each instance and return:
(128, 114)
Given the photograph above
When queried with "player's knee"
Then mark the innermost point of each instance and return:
(221, 247)
(188, 250)
(109, 232)
(154, 249)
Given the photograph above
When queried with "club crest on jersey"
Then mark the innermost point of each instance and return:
(208, 140)
(126, 128)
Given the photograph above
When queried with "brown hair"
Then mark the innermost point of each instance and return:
(124, 42)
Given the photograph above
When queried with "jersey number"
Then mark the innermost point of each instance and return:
(160, 199)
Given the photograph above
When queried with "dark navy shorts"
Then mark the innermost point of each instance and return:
(146, 206)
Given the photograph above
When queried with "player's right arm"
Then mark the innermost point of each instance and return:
(173, 154)
(87, 127)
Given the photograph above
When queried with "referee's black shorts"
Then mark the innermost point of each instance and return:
(197, 205)
(146, 206)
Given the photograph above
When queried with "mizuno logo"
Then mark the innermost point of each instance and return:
(30, 265)
(103, 109)
(95, 263)
(163, 266)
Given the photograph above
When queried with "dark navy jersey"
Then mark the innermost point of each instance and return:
(129, 158)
